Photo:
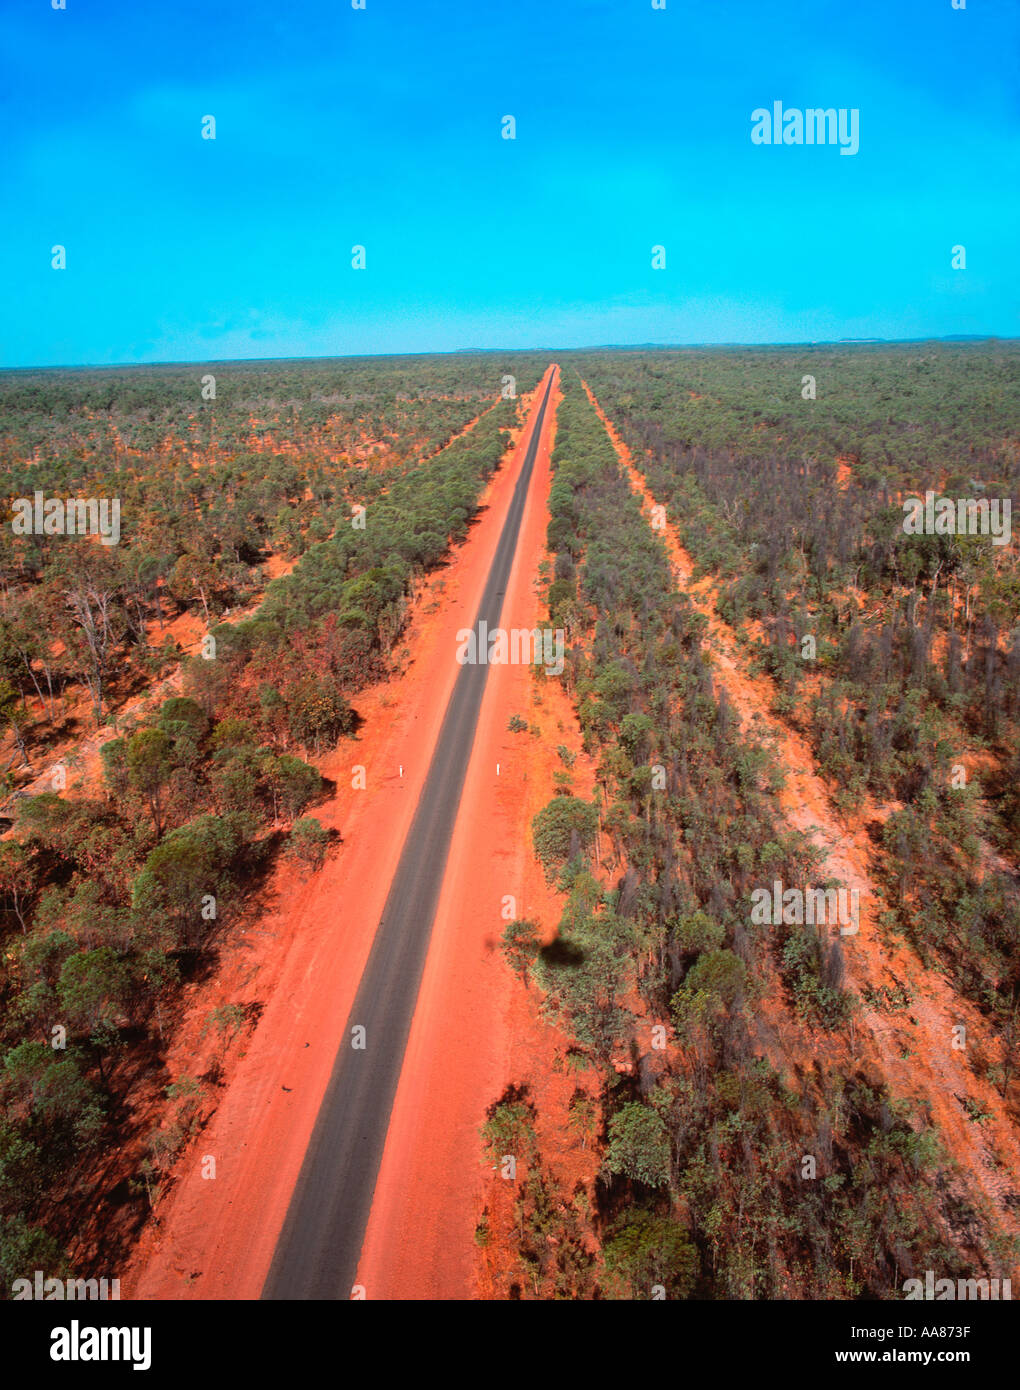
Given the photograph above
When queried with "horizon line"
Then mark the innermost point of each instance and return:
(952, 338)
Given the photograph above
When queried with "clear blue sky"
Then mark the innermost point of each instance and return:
(382, 127)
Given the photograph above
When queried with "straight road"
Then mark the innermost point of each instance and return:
(317, 1254)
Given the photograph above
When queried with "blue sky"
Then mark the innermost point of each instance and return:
(381, 127)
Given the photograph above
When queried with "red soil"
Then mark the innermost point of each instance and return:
(459, 434)
(914, 1048)
(80, 757)
(215, 1238)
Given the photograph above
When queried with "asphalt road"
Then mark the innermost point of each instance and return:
(317, 1253)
